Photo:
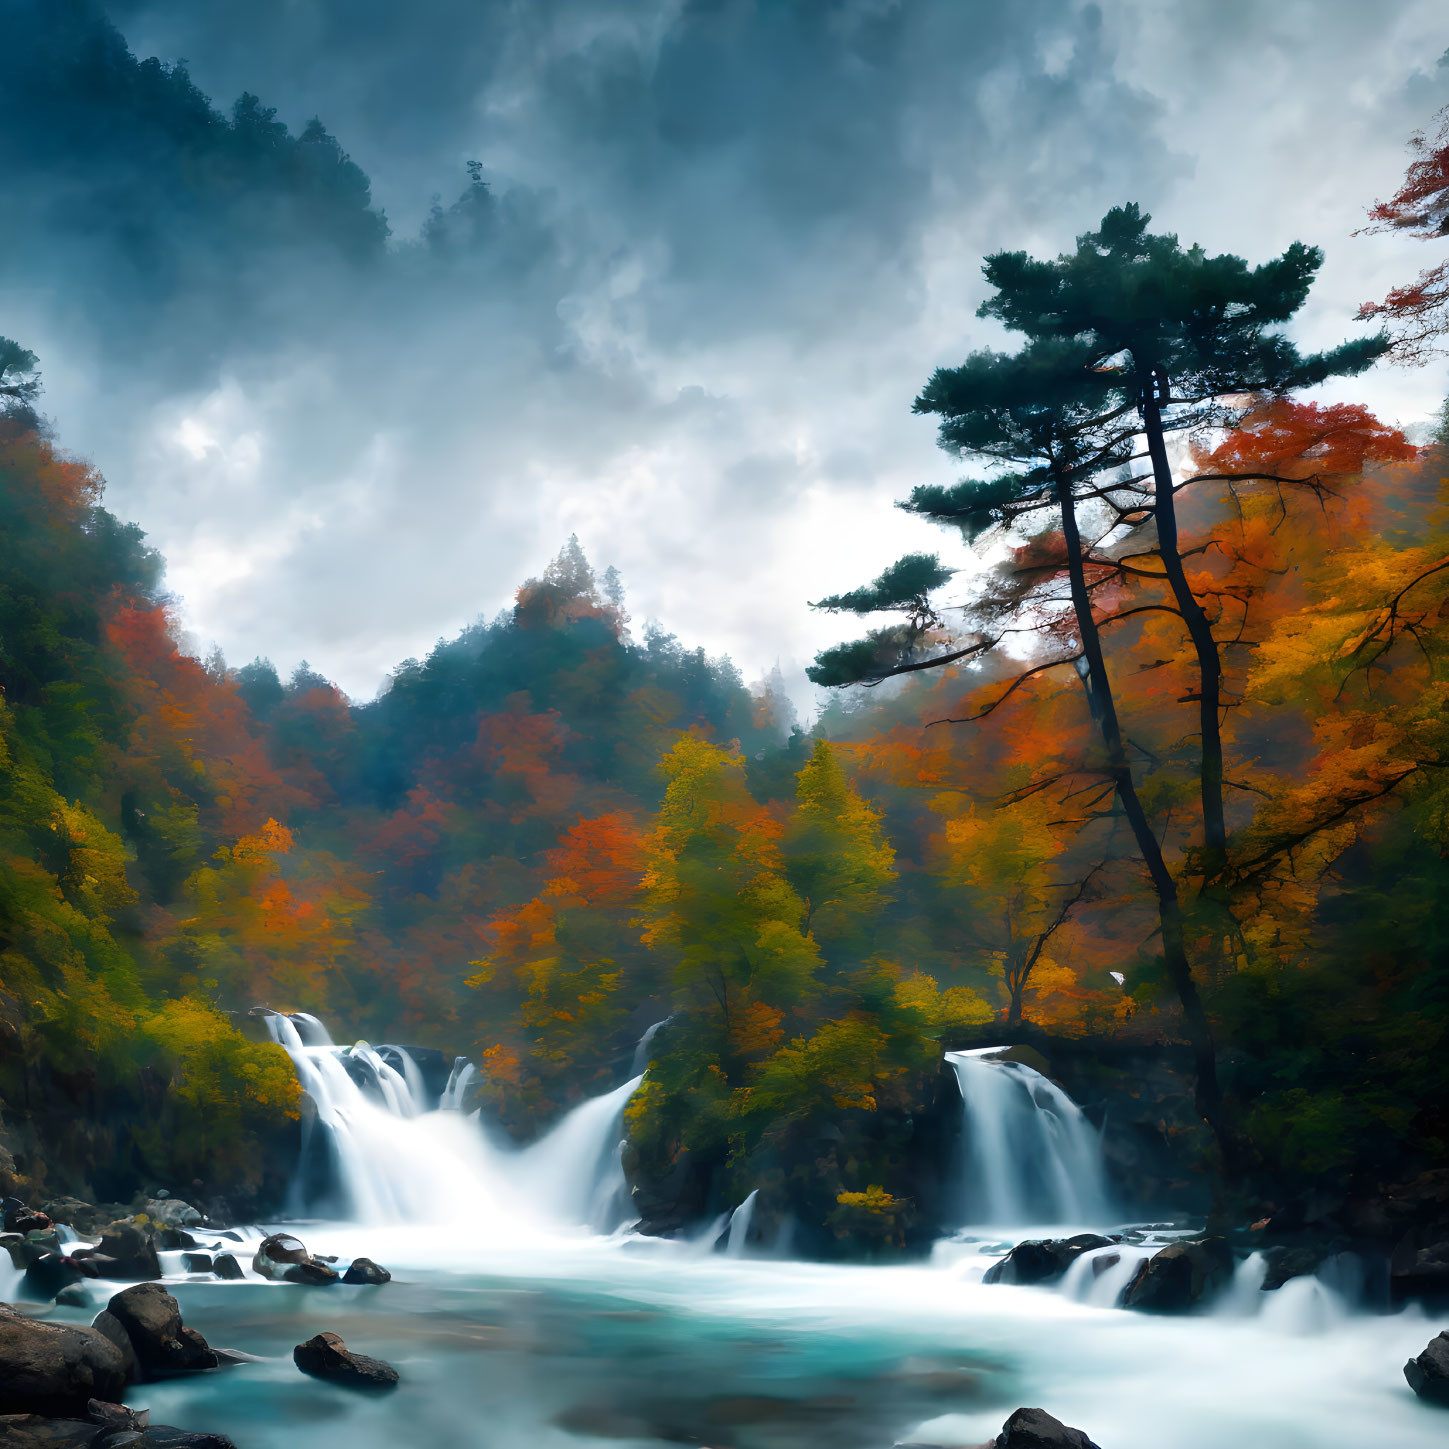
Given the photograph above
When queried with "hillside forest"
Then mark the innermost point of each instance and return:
(1146, 766)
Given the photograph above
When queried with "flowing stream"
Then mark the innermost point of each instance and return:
(1031, 1156)
(524, 1315)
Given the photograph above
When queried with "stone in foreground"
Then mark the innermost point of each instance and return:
(1036, 1429)
(1428, 1375)
(54, 1368)
(327, 1357)
(150, 1318)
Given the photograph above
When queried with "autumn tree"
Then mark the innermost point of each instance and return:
(836, 854)
(1127, 337)
(1417, 313)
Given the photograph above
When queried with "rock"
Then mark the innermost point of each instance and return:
(285, 1259)
(124, 1251)
(164, 1436)
(54, 1368)
(1419, 1266)
(171, 1212)
(28, 1220)
(116, 1416)
(151, 1319)
(225, 1265)
(1036, 1429)
(364, 1270)
(32, 1431)
(84, 1217)
(1179, 1275)
(73, 1297)
(22, 1251)
(1040, 1260)
(1428, 1375)
(47, 1275)
(327, 1357)
(1286, 1263)
(198, 1262)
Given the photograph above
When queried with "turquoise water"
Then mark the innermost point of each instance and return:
(588, 1341)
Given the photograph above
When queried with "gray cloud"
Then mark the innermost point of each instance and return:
(730, 240)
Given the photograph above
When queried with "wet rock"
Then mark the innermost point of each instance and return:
(55, 1368)
(1419, 1267)
(125, 1250)
(1040, 1260)
(326, 1357)
(225, 1265)
(171, 1212)
(27, 1220)
(1428, 1375)
(285, 1259)
(84, 1217)
(364, 1270)
(33, 1431)
(151, 1319)
(47, 1275)
(1179, 1276)
(73, 1297)
(198, 1262)
(116, 1416)
(164, 1436)
(1036, 1429)
(1286, 1263)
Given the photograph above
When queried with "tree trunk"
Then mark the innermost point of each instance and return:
(1199, 629)
(1207, 1094)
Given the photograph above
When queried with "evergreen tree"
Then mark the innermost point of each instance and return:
(1127, 338)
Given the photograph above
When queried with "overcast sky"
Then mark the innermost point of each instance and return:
(763, 225)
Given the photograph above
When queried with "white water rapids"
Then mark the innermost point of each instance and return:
(399, 1158)
(519, 1295)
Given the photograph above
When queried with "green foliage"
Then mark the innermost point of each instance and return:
(906, 585)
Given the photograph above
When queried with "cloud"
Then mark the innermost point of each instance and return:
(726, 243)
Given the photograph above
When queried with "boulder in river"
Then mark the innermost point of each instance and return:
(225, 1265)
(150, 1318)
(55, 1368)
(285, 1259)
(1428, 1375)
(1179, 1275)
(1299, 1261)
(47, 1275)
(364, 1270)
(1040, 1260)
(1036, 1429)
(325, 1356)
(24, 1219)
(171, 1212)
(125, 1250)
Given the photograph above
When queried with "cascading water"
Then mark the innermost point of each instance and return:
(739, 1229)
(399, 1159)
(641, 1052)
(1031, 1156)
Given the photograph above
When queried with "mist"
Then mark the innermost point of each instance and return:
(461, 280)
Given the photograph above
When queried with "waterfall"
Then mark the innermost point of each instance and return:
(1031, 1156)
(641, 1052)
(575, 1172)
(399, 1159)
(739, 1229)
(455, 1094)
(1100, 1276)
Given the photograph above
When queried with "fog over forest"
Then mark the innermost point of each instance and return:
(707, 255)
